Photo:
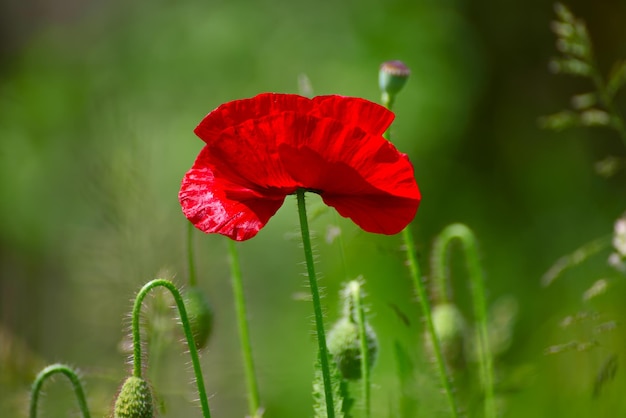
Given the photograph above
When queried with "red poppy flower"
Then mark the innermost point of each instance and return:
(262, 149)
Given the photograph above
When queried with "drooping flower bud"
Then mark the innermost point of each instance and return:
(200, 316)
(451, 330)
(134, 400)
(345, 347)
(344, 342)
(392, 76)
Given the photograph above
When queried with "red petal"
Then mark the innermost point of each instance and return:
(248, 154)
(381, 214)
(233, 113)
(369, 116)
(363, 176)
(216, 204)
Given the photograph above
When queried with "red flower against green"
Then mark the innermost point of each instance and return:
(260, 150)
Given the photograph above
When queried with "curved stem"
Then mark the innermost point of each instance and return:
(468, 240)
(420, 289)
(193, 351)
(71, 375)
(190, 257)
(317, 304)
(355, 292)
(414, 269)
(244, 336)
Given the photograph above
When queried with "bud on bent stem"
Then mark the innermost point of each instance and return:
(134, 399)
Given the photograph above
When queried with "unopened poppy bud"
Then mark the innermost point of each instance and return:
(200, 316)
(134, 400)
(345, 347)
(392, 76)
(450, 328)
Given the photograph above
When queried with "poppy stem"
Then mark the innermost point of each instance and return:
(468, 239)
(414, 269)
(420, 289)
(190, 256)
(71, 375)
(355, 294)
(244, 336)
(184, 319)
(317, 304)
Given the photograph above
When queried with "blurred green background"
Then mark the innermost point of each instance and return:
(98, 101)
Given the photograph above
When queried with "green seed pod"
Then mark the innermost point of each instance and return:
(451, 329)
(134, 400)
(200, 316)
(345, 347)
(392, 76)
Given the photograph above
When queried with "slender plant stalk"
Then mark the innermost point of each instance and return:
(468, 240)
(71, 375)
(420, 289)
(438, 271)
(244, 335)
(342, 248)
(317, 304)
(355, 292)
(190, 256)
(193, 351)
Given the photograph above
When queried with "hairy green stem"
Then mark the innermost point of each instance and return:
(414, 269)
(387, 100)
(71, 375)
(420, 289)
(244, 336)
(317, 304)
(193, 351)
(468, 240)
(355, 293)
(190, 257)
